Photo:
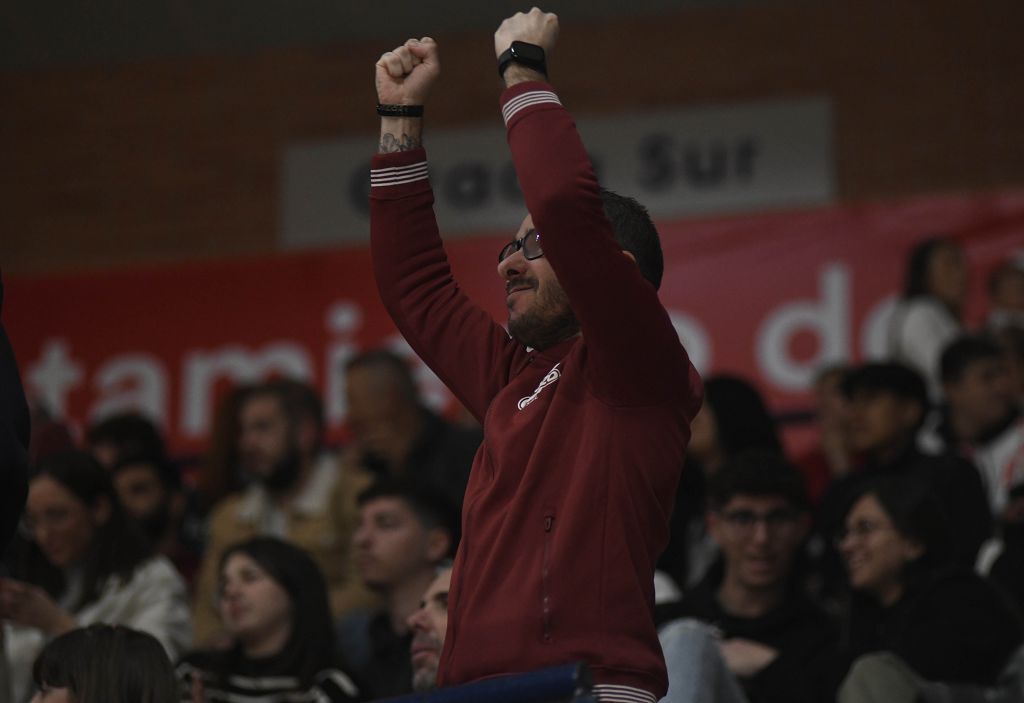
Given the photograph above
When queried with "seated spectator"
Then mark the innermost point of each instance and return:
(149, 487)
(831, 457)
(151, 493)
(980, 420)
(394, 434)
(910, 599)
(273, 602)
(1006, 295)
(84, 565)
(928, 315)
(404, 533)
(732, 420)
(297, 492)
(769, 633)
(104, 664)
(429, 625)
(887, 408)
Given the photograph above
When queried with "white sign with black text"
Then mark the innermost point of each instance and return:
(681, 162)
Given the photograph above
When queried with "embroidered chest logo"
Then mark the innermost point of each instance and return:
(552, 376)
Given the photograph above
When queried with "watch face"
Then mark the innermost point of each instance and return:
(527, 52)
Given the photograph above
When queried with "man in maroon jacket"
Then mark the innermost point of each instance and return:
(586, 405)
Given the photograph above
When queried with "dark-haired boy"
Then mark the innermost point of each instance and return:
(770, 633)
(404, 533)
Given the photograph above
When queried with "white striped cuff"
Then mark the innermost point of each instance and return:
(622, 694)
(534, 97)
(397, 175)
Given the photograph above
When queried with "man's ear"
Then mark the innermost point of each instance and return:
(438, 544)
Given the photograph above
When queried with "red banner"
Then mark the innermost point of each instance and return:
(771, 296)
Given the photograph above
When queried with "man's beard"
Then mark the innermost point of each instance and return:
(286, 470)
(547, 322)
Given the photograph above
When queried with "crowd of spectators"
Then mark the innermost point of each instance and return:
(883, 563)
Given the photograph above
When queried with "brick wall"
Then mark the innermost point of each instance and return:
(172, 159)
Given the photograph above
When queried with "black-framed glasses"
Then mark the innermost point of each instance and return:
(530, 244)
(747, 520)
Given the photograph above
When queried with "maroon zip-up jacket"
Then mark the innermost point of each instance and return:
(569, 499)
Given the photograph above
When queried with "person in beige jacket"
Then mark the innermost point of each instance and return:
(296, 492)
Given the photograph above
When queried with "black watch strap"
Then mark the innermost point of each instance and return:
(524, 54)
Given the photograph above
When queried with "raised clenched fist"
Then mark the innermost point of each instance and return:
(406, 75)
(534, 27)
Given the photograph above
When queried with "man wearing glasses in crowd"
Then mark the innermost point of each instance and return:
(763, 632)
(586, 400)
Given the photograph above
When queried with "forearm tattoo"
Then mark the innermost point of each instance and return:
(389, 143)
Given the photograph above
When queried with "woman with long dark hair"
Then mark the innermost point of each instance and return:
(84, 563)
(930, 311)
(908, 599)
(273, 603)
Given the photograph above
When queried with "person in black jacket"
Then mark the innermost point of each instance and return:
(14, 437)
(770, 635)
(888, 405)
(912, 601)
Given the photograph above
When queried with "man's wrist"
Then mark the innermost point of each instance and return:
(517, 73)
(400, 134)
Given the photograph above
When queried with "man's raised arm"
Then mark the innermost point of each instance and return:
(458, 340)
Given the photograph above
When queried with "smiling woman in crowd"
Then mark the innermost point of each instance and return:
(273, 603)
(944, 623)
(83, 564)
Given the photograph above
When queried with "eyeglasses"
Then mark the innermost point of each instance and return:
(747, 520)
(859, 530)
(530, 244)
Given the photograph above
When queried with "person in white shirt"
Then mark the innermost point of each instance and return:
(83, 564)
(928, 315)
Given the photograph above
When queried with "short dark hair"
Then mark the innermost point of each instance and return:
(964, 351)
(298, 400)
(392, 365)
(915, 276)
(432, 507)
(887, 377)
(635, 232)
(758, 473)
(310, 647)
(741, 415)
(131, 434)
(109, 663)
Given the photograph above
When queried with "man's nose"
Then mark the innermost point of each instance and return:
(511, 265)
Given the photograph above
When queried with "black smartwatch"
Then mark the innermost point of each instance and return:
(524, 54)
